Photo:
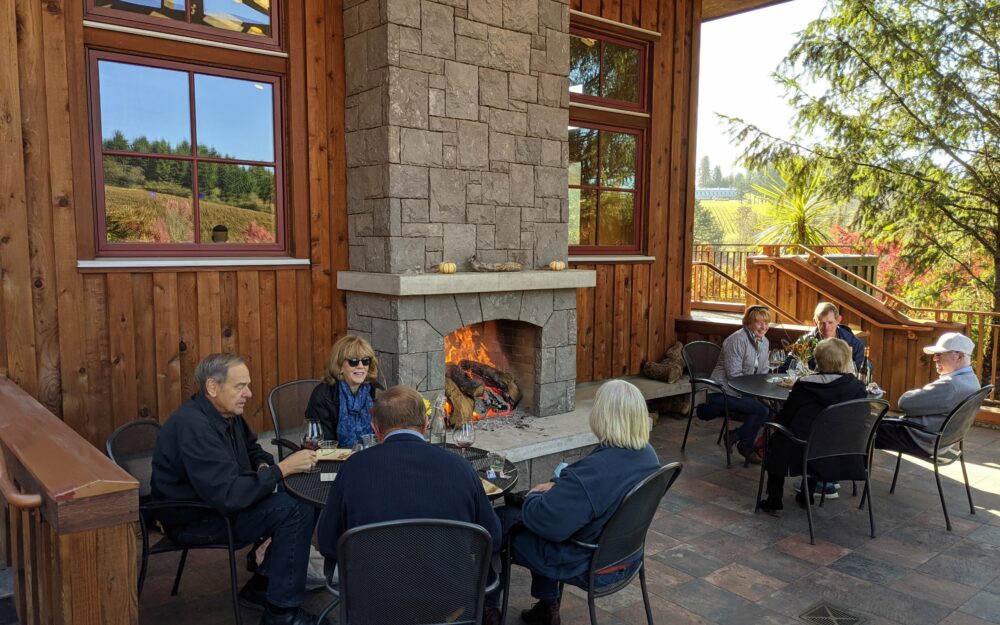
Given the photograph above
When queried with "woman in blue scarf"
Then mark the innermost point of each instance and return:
(342, 403)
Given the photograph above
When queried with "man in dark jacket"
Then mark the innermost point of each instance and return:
(403, 478)
(206, 452)
(829, 326)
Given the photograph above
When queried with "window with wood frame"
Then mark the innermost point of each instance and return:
(607, 132)
(187, 157)
(247, 22)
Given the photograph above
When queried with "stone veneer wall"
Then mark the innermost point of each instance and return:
(408, 334)
(456, 132)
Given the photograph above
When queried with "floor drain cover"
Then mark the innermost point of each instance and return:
(827, 614)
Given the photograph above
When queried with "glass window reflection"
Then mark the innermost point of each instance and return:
(144, 109)
(235, 118)
(621, 72)
(168, 9)
(582, 216)
(617, 222)
(245, 16)
(240, 199)
(583, 155)
(148, 200)
(618, 159)
(584, 65)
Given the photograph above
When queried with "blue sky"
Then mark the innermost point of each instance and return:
(234, 116)
(738, 56)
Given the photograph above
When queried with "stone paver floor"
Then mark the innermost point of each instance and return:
(710, 559)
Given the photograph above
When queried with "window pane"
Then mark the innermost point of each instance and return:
(621, 72)
(144, 109)
(584, 65)
(234, 118)
(148, 200)
(582, 156)
(582, 216)
(617, 222)
(168, 9)
(245, 16)
(240, 198)
(618, 158)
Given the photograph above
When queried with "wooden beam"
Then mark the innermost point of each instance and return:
(715, 9)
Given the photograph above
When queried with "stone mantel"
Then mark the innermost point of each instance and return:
(404, 285)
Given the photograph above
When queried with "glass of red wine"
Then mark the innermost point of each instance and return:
(464, 436)
(312, 436)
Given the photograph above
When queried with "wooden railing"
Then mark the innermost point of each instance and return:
(69, 520)
(746, 292)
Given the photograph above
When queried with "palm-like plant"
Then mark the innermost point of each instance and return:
(796, 206)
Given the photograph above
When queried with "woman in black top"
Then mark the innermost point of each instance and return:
(342, 403)
(810, 395)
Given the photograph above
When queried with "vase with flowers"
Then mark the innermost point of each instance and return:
(803, 351)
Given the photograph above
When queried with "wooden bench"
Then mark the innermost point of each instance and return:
(69, 520)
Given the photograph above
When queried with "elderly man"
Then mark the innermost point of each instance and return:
(930, 405)
(828, 326)
(206, 452)
(403, 478)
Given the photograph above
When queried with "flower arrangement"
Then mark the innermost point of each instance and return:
(427, 406)
(803, 349)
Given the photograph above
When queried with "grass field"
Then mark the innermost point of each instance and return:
(728, 214)
(138, 215)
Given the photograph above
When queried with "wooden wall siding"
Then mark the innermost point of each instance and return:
(629, 316)
(103, 348)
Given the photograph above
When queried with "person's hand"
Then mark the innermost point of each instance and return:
(542, 488)
(302, 460)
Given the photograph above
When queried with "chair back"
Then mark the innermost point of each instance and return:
(962, 417)
(700, 358)
(413, 572)
(131, 447)
(287, 403)
(845, 429)
(624, 535)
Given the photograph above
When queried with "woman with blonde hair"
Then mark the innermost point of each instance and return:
(811, 394)
(342, 403)
(578, 503)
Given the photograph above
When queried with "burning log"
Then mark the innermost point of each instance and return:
(461, 404)
(464, 383)
(500, 379)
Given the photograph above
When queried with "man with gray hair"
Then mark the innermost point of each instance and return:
(930, 405)
(206, 452)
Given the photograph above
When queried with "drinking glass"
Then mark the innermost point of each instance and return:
(368, 440)
(464, 436)
(776, 358)
(312, 436)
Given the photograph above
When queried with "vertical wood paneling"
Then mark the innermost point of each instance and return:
(604, 294)
(248, 332)
(167, 338)
(15, 272)
(228, 310)
(268, 343)
(611, 9)
(639, 317)
(620, 320)
(121, 338)
(338, 237)
(308, 333)
(96, 426)
(145, 346)
(189, 348)
(287, 327)
(209, 313)
(592, 7)
(585, 332)
(631, 12)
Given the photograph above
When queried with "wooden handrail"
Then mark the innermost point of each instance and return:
(12, 495)
(754, 294)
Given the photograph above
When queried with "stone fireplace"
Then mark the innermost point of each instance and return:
(456, 133)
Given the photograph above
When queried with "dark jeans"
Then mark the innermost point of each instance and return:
(542, 587)
(892, 437)
(288, 521)
(754, 415)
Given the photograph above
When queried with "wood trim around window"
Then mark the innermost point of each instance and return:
(642, 105)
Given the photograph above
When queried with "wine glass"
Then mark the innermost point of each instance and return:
(312, 436)
(464, 436)
(776, 358)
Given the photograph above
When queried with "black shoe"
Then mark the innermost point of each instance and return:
(253, 595)
(542, 613)
(749, 456)
(297, 616)
(775, 509)
(491, 616)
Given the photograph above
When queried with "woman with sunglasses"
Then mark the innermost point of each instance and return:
(342, 403)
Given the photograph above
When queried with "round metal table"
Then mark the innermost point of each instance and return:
(757, 386)
(311, 488)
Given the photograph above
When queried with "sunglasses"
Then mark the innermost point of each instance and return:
(366, 361)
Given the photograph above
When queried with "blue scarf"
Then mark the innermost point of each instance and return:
(355, 418)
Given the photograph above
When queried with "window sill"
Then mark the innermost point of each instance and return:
(189, 264)
(611, 258)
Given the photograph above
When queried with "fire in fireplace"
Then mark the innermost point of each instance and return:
(481, 370)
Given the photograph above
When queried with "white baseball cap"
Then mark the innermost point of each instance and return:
(952, 342)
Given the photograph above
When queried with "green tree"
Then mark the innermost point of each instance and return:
(899, 98)
(797, 210)
(706, 228)
(704, 173)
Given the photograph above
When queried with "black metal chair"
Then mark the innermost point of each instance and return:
(952, 432)
(621, 541)
(412, 572)
(700, 358)
(287, 403)
(131, 447)
(840, 432)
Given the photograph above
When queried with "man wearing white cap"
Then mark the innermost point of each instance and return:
(929, 405)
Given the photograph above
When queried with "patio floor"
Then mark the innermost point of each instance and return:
(710, 559)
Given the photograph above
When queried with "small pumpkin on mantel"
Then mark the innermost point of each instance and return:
(447, 267)
(557, 265)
